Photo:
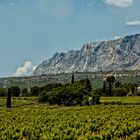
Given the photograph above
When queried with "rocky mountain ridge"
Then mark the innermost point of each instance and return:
(119, 54)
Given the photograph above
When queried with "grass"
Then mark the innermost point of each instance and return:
(19, 101)
(121, 100)
(30, 101)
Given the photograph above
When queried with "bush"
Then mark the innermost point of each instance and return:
(86, 84)
(138, 93)
(96, 99)
(15, 91)
(120, 92)
(3, 92)
(93, 100)
(43, 97)
(24, 92)
(69, 95)
(50, 87)
(118, 84)
(85, 101)
(35, 90)
(98, 92)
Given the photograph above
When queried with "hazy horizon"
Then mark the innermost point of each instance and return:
(33, 30)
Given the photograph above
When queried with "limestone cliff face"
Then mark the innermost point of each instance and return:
(119, 54)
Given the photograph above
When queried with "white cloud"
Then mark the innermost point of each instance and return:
(119, 3)
(26, 70)
(133, 23)
(117, 37)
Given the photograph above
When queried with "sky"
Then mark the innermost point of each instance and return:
(33, 30)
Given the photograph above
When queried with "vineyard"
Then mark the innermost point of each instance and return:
(43, 122)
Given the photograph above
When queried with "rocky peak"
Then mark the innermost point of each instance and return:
(122, 53)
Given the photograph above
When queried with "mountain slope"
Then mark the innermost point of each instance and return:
(119, 54)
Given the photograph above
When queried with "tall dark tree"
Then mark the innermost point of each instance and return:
(88, 85)
(110, 80)
(8, 103)
(133, 88)
(104, 88)
(72, 78)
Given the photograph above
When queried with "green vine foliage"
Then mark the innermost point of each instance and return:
(77, 123)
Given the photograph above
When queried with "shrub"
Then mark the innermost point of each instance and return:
(69, 95)
(24, 92)
(120, 91)
(43, 97)
(50, 87)
(91, 100)
(138, 93)
(72, 94)
(88, 86)
(35, 91)
(96, 99)
(15, 91)
(118, 84)
(98, 92)
(3, 92)
(85, 101)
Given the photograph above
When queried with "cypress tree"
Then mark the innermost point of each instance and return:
(72, 78)
(110, 80)
(8, 103)
(88, 86)
(104, 87)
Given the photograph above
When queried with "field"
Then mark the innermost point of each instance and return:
(134, 100)
(19, 101)
(29, 120)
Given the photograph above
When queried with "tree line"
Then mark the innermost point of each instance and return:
(76, 92)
